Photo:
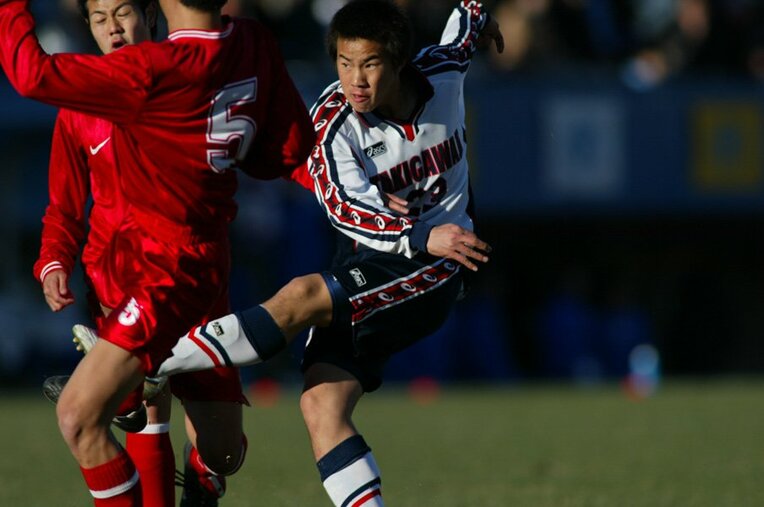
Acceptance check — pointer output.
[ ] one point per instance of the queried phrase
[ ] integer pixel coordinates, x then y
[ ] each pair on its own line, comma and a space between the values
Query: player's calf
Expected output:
239, 339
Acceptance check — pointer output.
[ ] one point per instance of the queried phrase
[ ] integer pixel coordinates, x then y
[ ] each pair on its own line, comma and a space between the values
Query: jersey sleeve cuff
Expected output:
49, 268
420, 234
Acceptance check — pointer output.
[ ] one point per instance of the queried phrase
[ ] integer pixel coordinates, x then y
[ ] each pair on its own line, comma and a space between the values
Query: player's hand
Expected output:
55, 287
397, 204
459, 244
490, 33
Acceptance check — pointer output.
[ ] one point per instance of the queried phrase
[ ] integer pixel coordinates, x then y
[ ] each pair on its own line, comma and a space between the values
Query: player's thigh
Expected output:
102, 379
329, 391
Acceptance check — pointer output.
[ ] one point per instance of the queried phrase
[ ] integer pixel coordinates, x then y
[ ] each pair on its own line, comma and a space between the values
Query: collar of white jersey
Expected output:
203, 34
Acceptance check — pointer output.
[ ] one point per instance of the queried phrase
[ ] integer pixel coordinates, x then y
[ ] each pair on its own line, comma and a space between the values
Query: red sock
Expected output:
155, 460
213, 483
115, 483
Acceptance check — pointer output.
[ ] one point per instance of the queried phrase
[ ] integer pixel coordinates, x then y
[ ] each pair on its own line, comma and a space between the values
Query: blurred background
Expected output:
618, 172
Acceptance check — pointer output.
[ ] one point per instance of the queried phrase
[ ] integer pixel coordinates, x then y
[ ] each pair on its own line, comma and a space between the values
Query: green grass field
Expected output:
693, 444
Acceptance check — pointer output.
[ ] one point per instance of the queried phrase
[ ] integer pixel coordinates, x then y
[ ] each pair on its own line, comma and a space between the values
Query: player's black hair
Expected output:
380, 21
204, 5
142, 5
83, 5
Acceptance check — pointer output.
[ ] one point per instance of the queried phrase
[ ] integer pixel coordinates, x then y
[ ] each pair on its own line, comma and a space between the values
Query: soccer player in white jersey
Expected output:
390, 170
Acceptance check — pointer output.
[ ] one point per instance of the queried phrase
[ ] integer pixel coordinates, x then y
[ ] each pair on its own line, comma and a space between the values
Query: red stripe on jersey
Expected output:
368, 496
400, 290
204, 348
409, 130
319, 165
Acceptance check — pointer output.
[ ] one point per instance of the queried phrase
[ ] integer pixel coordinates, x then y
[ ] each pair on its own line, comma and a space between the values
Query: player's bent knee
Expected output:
69, 423
318, 411
73, 421
308, 299
307, 288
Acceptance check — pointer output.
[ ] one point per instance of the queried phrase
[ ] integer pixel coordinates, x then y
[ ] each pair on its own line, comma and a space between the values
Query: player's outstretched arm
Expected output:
459, 244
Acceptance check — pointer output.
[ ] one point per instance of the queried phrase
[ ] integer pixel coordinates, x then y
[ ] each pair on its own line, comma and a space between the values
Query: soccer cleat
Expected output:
134, 422
200, 487
52, 387
152, 386
86, 338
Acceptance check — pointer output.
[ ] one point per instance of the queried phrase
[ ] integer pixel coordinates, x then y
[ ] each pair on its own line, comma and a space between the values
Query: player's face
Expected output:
368, 77
116, 23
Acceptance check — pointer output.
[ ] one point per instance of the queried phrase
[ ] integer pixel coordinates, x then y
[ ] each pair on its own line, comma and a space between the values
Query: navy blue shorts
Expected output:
382, 304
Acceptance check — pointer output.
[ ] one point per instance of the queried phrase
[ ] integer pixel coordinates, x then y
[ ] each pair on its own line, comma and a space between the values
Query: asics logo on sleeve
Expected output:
94, 151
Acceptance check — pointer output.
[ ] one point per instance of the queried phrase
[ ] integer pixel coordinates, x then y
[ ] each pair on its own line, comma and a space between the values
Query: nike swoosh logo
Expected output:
94, 151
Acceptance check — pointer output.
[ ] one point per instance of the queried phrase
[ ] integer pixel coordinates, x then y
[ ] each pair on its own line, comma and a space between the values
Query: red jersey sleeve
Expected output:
301, 176
111, 86
63, 227
284, 143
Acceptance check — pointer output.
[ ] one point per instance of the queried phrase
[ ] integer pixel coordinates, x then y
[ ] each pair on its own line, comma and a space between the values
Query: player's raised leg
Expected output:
256, 334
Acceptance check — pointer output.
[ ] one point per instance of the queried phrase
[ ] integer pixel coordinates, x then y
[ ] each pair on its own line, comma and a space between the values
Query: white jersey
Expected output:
360, 156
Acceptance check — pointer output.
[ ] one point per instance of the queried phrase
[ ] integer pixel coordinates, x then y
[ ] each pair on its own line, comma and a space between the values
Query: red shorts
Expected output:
165, 282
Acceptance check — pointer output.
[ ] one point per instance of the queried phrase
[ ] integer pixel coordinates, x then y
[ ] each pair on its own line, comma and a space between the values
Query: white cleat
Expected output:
86, 338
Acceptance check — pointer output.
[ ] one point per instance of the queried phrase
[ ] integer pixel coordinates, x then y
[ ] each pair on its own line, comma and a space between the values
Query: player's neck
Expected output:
405, 100
180, 17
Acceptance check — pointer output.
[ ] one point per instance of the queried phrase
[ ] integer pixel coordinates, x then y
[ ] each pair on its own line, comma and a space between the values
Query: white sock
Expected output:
220, 342
357, 484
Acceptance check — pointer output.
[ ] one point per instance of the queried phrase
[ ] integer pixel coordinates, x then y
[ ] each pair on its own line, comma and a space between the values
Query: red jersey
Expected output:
82, 163
185, 110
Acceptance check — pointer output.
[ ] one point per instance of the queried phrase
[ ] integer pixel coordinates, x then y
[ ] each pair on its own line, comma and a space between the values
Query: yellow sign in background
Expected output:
727, 153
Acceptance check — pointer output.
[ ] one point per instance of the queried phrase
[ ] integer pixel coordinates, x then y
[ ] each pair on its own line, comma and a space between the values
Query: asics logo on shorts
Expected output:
129, 316
358, 277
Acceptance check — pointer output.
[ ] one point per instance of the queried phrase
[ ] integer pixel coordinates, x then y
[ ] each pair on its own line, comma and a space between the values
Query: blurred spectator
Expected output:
709, 36
528, 35
592, 30
652, 39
